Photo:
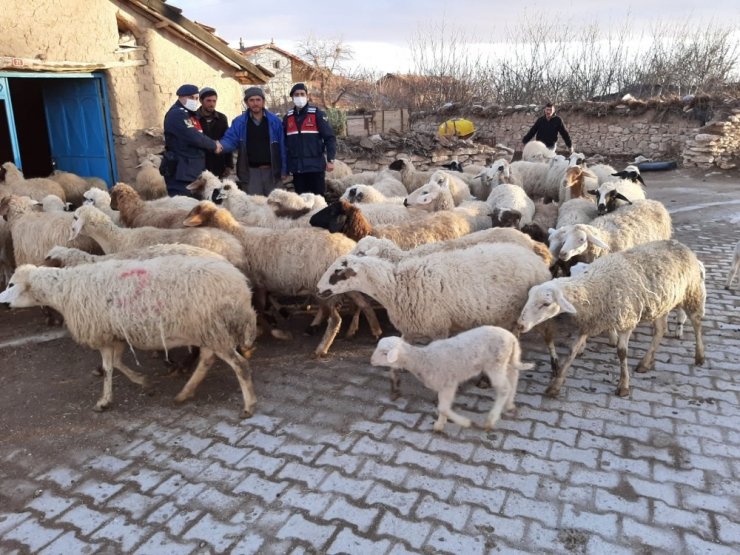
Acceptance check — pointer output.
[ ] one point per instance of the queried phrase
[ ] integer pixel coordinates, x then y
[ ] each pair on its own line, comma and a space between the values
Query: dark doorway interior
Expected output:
30, 125
6, 148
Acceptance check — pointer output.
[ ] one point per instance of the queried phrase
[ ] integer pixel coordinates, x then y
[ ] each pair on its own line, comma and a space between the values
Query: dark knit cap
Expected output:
298, 87
187, 90
205, 92
253, 91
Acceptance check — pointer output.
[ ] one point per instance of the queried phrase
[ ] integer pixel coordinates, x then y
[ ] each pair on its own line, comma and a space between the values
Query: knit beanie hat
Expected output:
205, 92
253, 91
298, 87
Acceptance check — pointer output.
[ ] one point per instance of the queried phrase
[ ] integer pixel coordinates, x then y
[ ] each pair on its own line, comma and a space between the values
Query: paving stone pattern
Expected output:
330, 465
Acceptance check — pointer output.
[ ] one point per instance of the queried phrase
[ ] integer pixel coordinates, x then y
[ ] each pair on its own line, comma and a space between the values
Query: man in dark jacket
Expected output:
258, 135
547, 128
214, 125
310, 143
185, 144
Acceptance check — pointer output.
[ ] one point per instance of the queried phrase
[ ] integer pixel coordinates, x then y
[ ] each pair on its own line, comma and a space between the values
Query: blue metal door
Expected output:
79, 127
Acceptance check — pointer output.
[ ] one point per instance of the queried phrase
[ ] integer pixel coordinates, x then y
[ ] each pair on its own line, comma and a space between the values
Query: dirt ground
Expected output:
48, 390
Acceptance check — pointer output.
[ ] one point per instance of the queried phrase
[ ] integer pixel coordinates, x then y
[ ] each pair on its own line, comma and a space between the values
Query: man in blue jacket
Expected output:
258, 136
310, 143
185, 144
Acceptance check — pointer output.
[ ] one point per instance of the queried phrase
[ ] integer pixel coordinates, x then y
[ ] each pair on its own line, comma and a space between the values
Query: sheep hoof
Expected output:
699, 360
623, 391
246, 414
97, 372
552, 391
464, 423
181, 398
438, 428
641, 368
281, 334
101, 406
246, 352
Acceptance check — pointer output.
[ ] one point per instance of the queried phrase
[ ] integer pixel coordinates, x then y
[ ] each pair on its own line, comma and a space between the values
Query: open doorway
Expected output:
31, 128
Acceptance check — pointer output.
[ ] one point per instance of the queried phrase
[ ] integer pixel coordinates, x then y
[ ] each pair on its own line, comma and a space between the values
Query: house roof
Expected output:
248, 50
201, 35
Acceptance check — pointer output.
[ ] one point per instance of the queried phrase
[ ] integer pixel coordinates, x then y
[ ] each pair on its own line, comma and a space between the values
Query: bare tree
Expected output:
330, 59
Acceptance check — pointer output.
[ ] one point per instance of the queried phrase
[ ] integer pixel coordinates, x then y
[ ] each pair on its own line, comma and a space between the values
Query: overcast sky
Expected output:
379, 31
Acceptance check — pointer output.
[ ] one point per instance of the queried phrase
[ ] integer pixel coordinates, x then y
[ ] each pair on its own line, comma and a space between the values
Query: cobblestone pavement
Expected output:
330, 465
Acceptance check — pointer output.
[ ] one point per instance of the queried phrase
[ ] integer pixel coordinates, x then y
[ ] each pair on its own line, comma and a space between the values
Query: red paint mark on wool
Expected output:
135, 272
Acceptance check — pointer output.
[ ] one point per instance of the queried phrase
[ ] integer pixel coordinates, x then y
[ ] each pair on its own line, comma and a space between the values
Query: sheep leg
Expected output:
680, 321
395, 384
503, 397
699, 351
732, 274
548, 334
369, 313
132, 375
321, 314
613, 338
557, 382
205, 362
623, 389
106, 353
354, 324
332, 329
444, 407
648, 361
240, 366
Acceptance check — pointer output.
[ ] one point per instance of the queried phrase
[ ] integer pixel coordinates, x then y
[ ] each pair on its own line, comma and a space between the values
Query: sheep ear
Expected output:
596, 241
372, 251
393, 354
620, 196
565, 304
639, 178
593, 192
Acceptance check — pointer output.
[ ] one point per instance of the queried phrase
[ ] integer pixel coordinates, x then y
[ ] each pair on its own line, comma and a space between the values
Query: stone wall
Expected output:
715, 144
651, 134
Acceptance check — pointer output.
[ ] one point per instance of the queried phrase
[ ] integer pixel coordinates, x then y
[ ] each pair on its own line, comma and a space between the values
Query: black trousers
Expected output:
310, 182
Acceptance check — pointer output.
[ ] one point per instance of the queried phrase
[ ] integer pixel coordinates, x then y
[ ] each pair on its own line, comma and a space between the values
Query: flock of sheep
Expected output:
462, 259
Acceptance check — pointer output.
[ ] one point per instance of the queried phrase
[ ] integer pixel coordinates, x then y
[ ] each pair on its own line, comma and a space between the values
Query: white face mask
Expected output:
300, 101
191, 104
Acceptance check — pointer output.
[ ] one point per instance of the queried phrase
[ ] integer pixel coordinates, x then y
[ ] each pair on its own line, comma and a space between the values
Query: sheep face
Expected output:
506, 218
606, 198
632, 173
97, 197
544, 301
354, 195
18, 294
386, 352
424, 196
398, 165
340, 277
77, 225
333, 217
576, 239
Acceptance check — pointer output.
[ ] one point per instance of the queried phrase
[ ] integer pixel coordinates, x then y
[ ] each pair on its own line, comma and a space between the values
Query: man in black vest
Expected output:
547, 128
214, 125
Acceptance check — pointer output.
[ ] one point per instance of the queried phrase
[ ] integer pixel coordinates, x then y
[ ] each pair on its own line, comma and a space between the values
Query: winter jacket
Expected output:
308, 136
547, 131
185, 145
236, 138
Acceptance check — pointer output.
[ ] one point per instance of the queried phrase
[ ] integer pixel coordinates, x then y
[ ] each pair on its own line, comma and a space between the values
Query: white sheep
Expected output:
576, 211
75, 186
528, 175
341, 169
118, 302
149, 182
286, 204
34, 233
368, 194
12, 182
101, 200
444, 364
410, 177
255, 211
206, 187
641, 222
436, 196
93, 223
437, 295
576, 183
603, 172
735, 267
62, 257
510, 206
456, 185
389, 183
617, 292
537, 151
611, 195
52, 203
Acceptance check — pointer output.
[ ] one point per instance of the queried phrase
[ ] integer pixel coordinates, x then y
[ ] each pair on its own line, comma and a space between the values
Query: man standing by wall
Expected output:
308, 138
214, 125
258, 135
185, 144
547, 128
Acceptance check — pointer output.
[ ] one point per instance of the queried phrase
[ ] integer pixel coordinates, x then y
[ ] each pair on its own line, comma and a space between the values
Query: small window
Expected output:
276, 64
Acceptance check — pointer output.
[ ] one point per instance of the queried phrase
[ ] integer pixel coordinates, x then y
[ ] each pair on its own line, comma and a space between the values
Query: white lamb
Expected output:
617, 292
613, 194
118, 302
436, 196
444, 364
458, 187
641, 222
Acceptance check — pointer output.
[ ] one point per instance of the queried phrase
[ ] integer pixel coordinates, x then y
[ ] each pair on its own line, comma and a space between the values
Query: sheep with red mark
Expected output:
118, 302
